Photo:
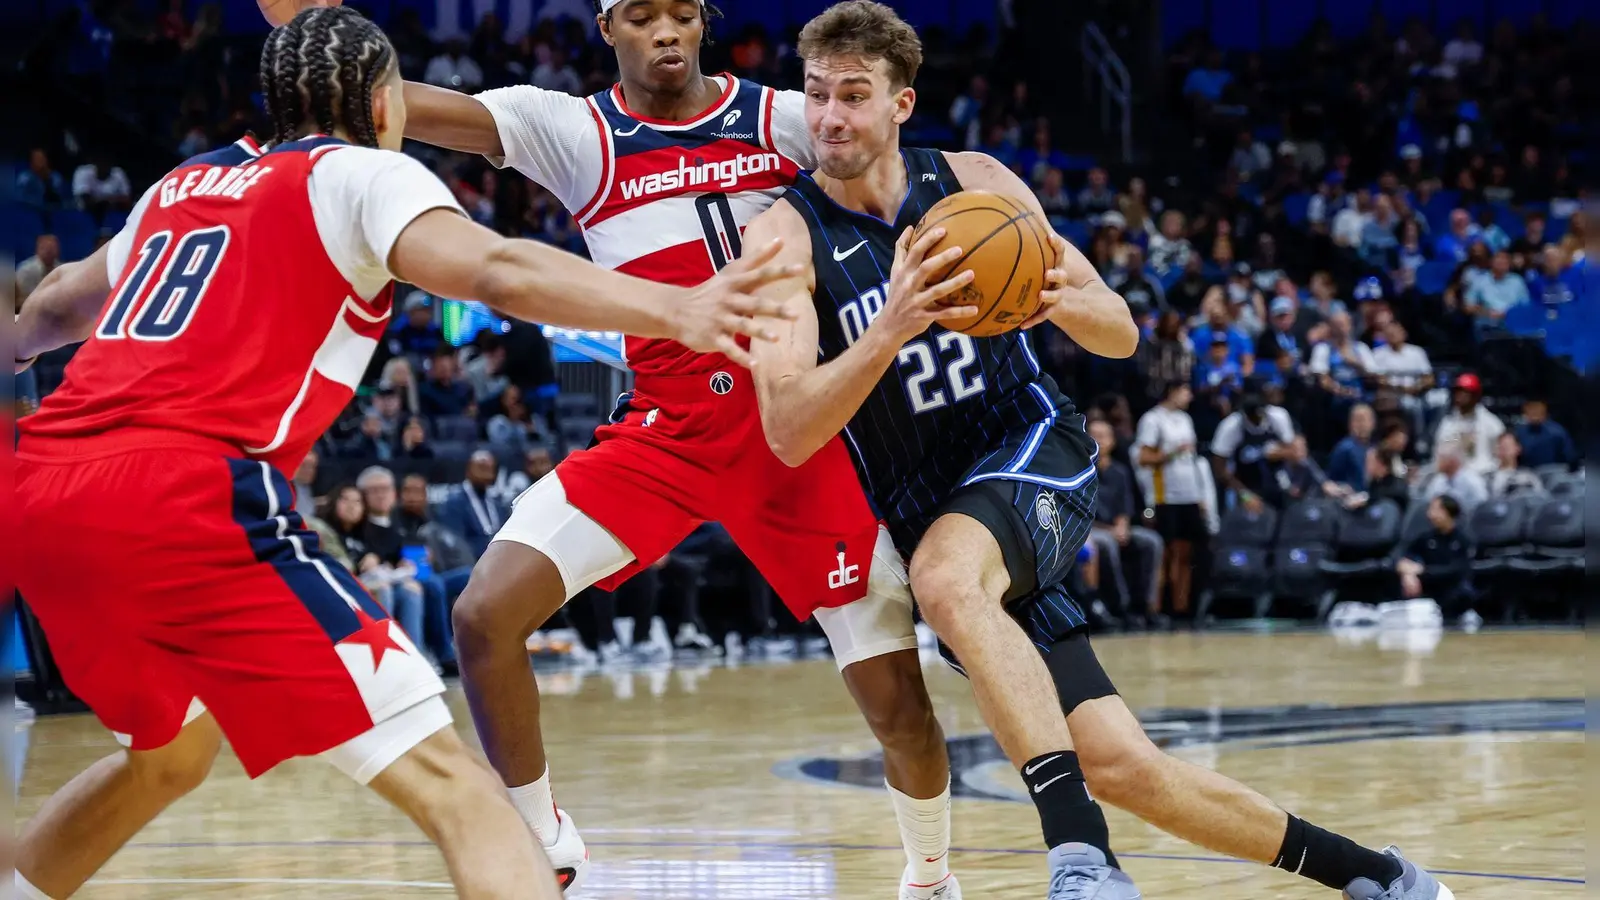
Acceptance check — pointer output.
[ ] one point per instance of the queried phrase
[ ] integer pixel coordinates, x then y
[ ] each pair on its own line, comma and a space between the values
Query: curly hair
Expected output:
320, 68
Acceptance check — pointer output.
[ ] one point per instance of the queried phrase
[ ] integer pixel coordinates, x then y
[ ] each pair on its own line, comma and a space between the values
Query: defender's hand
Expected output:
715, 314
279, 12
913, 304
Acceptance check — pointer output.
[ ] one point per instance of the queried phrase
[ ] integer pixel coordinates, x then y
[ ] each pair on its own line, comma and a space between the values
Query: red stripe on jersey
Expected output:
724, 166
606, 153
730, 85
766, 128
685, 265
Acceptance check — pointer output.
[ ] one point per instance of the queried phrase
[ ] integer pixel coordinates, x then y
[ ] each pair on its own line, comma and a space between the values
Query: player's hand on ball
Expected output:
726, 307
1057, 283
279, 12
914, 303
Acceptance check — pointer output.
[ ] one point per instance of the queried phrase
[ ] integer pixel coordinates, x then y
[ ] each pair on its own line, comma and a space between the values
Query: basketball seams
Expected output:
1011, 221
1038, 240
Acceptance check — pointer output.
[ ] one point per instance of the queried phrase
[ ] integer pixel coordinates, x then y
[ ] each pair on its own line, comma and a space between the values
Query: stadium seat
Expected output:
1570, 485
1364, 548
1527, 319
1552, 473
1241, 564
1555, 537
1305, 538
1434, 276
20, 228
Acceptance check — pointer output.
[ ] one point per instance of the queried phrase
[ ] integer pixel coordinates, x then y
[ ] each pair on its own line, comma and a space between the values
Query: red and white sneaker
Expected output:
946, 888
568, 855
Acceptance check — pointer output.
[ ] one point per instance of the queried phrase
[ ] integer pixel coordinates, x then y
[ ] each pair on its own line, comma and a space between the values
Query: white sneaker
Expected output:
946, 888
568, 856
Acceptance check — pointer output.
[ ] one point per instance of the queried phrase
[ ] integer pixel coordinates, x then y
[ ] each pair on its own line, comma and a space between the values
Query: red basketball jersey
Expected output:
229, 318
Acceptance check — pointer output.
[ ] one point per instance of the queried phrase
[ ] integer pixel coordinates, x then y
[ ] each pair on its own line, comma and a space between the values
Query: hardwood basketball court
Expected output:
759, 782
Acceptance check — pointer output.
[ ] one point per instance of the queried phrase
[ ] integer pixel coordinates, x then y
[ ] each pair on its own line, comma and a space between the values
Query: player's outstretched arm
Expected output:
804, 405
64, 308
1092, 314
448, 255
451, 119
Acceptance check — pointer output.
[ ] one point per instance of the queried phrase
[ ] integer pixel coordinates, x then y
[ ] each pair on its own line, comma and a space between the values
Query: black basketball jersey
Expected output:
943, 413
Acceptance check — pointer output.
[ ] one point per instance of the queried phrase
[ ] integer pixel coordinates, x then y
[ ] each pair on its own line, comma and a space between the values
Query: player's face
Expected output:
657, 41
854, 113
389, 110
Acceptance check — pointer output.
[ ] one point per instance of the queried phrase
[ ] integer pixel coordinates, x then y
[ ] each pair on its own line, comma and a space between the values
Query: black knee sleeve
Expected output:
1077, 673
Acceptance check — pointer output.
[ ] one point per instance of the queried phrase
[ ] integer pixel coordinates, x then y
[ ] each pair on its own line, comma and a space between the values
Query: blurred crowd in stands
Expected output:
1325, 276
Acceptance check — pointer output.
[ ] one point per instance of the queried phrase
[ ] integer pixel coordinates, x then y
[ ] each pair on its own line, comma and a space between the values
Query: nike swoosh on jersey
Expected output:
620, 133
842, 255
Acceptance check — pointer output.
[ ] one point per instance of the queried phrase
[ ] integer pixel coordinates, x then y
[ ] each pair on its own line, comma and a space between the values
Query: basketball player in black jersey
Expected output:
983, 470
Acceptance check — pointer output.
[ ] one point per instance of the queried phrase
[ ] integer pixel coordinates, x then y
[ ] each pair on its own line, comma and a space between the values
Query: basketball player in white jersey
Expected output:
663, 172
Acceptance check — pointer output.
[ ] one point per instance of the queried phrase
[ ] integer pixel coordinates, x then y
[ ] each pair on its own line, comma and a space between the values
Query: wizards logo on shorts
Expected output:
980, 770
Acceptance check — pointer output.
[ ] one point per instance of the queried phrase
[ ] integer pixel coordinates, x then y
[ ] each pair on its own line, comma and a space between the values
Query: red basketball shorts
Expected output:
166, 571
688, 449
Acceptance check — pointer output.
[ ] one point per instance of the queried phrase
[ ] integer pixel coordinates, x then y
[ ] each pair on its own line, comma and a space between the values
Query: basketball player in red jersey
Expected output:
663, 172
183, 597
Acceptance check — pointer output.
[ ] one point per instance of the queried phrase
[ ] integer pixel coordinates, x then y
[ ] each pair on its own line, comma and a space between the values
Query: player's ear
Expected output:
604, 23
905, 104
383, 97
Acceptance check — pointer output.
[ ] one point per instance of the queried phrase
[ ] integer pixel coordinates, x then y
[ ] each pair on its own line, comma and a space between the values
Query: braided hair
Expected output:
319, 69
707, 13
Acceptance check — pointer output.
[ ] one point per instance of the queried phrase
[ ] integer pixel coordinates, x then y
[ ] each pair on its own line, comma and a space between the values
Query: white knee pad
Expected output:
365, 756
880, 622
584, 552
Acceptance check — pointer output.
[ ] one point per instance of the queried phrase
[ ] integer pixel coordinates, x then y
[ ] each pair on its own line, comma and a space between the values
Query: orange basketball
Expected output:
1007, 247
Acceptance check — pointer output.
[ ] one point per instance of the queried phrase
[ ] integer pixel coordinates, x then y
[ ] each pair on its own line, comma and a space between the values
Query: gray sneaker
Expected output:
1413, 884
1079, 872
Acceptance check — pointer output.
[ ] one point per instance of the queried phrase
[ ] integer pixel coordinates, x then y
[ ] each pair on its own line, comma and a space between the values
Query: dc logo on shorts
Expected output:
721, 383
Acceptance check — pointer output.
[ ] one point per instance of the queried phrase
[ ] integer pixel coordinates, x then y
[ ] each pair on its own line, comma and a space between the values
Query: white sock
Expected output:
26, 890
924, 833
537, 807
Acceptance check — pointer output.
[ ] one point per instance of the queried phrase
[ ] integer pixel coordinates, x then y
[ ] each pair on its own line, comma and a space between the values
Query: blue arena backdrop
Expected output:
463, 320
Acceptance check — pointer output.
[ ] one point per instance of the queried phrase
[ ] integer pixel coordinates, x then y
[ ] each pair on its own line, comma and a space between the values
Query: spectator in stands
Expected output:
1470, 426
1438, 564
1488, 299
1205, 84
1138, 209
1248, 304
967, 112
100, 187
392, 588
1053, 195
1323, 305
1326, 204
1528, 248
369, 442
304, 481
1136, 286
46, 258
1543, 442
511, 426
1341, 364
1217, 379
486, 370
1464, 50
39, 186
1574, 244
1190, 290
1250, 157
556, 74
1402, 369
1347, 465
1167, 358
1219, 320
1041, 156
413, 441
1489, 231
1379, 237
443, 394
1279, 337
454, 69
473, 510
1410, 252
1455, 243
1454, 478
383, 536
391, 416
1136, 575
1175, 482
420, 336
398, 376
1169, 247
1509, 479
1548, 281
1351, 222
1383, 483
1097, 198
1303, 478
536, 463
1248, 450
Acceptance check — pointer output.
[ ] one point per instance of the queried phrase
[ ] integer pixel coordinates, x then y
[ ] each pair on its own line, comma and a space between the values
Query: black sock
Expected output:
1332, 860
1067, 812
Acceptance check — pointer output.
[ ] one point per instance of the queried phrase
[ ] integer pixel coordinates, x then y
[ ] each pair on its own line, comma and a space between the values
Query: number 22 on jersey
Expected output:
164, 311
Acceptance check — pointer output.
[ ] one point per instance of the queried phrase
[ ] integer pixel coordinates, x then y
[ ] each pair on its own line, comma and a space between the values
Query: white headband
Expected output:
608, 5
